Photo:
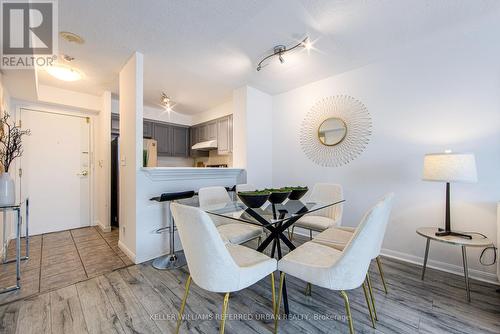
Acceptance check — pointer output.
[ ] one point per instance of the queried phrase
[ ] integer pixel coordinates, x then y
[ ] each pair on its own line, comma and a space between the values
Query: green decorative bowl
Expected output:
278, 195
254, 199
297, 192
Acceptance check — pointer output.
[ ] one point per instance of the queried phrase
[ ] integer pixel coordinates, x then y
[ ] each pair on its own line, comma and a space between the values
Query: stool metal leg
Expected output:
18, 249
171, 260
26, 237
466, 272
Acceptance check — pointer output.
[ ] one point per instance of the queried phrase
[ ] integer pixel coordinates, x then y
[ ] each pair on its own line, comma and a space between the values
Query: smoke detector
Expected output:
71, 37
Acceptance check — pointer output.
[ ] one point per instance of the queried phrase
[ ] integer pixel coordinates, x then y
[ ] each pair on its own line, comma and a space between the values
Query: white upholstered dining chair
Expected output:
325, 218
339, 236
230, 230
245, 187
338, 270
214, 265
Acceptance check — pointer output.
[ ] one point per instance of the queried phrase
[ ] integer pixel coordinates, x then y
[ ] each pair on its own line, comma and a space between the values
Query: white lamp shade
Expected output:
450, 167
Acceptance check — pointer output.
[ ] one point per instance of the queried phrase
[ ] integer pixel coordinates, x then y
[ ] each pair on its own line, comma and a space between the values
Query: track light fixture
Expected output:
166, 101
280, 50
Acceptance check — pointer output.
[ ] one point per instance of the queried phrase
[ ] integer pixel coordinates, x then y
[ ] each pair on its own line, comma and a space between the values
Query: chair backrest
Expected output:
328, 192
210, 263
366, 241
245, 187
214, 196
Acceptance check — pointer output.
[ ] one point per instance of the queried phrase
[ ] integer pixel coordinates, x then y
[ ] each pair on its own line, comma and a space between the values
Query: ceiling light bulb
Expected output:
64, 73
448, 151
307, 44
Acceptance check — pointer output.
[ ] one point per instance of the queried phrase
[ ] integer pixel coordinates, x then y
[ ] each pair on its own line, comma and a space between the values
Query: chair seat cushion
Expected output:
238, 233
315, 223
253, 265
336, 237
311, 262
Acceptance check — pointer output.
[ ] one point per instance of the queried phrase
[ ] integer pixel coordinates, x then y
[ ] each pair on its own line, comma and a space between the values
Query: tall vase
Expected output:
7, 190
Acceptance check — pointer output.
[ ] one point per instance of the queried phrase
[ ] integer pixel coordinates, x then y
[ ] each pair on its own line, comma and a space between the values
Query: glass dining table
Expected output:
275, 218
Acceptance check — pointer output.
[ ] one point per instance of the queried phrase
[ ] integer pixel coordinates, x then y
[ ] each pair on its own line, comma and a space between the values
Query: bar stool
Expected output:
171, 260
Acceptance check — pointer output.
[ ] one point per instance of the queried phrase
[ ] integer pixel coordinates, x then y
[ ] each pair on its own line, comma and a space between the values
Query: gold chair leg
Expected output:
224, 312
368, 280
368, 304
348, 311
278, 304
308, 291
273, 293
379, 264
183, 305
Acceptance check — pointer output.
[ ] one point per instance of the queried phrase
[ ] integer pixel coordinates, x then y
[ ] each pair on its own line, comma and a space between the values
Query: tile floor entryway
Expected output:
62, 258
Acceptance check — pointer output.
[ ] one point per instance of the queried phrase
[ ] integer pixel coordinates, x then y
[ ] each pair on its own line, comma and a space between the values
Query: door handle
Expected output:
83, 173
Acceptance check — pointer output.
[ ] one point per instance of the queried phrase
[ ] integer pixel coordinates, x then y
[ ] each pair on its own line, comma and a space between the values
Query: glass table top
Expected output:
282, 212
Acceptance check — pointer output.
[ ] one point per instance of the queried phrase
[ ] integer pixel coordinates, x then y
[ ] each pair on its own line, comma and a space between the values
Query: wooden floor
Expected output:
141, 299
61, 259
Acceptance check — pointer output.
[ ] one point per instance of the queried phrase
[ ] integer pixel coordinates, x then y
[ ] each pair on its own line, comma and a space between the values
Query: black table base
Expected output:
276, 236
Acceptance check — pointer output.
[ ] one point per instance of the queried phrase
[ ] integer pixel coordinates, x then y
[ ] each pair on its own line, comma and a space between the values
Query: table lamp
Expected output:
450, 167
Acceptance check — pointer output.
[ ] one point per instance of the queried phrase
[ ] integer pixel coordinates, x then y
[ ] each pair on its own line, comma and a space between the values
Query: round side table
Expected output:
477, 241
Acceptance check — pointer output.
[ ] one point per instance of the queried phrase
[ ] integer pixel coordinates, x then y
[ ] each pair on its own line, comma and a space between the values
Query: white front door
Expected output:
55, 170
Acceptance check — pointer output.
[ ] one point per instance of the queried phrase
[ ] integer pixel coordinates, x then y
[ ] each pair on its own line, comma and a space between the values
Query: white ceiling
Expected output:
199, 51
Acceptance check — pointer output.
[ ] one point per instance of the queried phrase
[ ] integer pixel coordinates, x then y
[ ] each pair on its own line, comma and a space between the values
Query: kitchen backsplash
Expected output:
215, 159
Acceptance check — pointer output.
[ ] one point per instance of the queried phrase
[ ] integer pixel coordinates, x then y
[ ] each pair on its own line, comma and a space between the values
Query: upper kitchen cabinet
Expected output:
180, 141
147, 129
224, 135
162, 133
211, 131
220, 129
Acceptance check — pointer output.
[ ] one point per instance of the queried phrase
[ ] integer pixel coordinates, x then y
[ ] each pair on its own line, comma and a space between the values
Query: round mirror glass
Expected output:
332, 131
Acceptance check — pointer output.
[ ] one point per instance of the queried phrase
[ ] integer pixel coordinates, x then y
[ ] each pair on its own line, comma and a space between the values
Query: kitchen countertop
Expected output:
188, 173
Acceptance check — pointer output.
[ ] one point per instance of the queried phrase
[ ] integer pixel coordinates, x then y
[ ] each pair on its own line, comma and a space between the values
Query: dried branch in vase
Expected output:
10, 141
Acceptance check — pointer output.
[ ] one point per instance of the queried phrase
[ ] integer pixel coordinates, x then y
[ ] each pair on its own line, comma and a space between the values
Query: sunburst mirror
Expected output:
335, 131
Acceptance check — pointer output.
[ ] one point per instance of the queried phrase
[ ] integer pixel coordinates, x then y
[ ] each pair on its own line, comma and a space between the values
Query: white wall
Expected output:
158, 114
69, 98
219, 111
252, 134
130, 161
102, 196
436, 94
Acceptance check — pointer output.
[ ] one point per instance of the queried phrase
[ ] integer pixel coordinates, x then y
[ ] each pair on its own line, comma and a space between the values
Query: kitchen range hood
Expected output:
205, 145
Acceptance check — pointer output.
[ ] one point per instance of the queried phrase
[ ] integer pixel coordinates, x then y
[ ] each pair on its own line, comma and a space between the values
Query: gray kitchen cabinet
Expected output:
223, 135
195, 139
211, 130
202, 133
180, 141
163, 135
230, 133
147, 129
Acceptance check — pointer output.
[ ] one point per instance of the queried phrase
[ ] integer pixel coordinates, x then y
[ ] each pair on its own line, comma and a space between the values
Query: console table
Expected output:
17, 211
477, 241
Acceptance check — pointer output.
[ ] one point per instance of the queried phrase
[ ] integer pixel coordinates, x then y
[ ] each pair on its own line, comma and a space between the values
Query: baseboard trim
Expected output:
442, 266
103, 227
128, 252
438, 265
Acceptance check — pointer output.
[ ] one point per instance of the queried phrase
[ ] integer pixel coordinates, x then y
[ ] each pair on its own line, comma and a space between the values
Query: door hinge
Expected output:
20, 124
20, 172
87, 119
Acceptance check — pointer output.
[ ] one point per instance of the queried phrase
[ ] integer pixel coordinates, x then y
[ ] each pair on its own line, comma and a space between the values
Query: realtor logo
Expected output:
29, 33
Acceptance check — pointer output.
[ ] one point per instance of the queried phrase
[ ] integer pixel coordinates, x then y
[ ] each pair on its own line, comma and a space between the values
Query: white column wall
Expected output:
131, 113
